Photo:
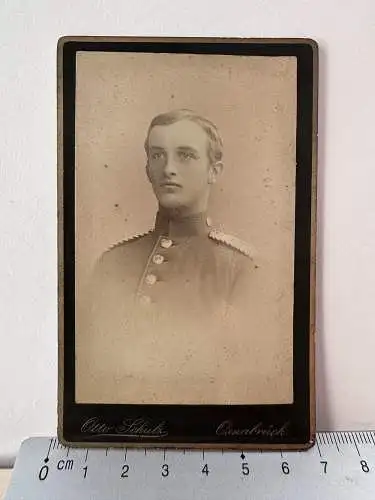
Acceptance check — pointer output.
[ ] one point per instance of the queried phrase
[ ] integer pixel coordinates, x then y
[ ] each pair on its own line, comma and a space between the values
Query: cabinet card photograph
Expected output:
186, 241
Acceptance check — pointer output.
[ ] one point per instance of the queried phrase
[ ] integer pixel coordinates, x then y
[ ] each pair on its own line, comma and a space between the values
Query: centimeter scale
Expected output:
341, 465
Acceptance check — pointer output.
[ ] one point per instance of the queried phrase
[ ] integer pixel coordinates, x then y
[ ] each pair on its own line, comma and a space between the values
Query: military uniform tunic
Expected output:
160, 319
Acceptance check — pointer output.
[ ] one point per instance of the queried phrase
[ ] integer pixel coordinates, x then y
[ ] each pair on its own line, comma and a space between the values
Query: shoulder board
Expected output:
129, 240
232, 242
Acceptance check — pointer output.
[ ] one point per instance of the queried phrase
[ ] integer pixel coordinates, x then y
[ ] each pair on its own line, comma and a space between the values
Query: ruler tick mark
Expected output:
203, 454
145, 451
317, 445
126, 451
337, 446
67, 451
49, 449
86, 455
357, 448
164, 454
372, 437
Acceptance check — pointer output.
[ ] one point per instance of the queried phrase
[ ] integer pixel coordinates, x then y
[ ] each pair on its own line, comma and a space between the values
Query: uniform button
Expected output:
150, 279
157, 259
145, 299
165, 243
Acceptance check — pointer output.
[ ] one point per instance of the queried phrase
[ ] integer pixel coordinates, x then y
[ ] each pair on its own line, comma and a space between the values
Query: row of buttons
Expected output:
158, 259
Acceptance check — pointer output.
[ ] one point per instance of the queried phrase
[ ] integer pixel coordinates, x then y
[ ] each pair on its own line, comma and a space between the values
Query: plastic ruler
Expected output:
341, 465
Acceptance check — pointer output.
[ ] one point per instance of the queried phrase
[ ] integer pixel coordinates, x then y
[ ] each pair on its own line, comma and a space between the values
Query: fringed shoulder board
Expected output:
231, 242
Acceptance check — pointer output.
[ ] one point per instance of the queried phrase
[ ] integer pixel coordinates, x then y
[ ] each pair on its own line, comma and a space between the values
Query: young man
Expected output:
155, 312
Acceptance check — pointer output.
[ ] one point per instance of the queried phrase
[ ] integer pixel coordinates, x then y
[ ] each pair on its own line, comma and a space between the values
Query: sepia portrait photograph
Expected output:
184, 228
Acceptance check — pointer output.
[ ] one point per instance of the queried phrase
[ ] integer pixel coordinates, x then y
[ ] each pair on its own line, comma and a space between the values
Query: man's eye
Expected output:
186, 155
156, 155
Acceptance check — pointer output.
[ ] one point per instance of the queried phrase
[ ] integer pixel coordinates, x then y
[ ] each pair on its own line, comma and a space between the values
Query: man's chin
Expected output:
170, 202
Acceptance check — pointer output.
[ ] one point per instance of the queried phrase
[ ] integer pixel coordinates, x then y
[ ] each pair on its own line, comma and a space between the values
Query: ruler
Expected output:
340, 466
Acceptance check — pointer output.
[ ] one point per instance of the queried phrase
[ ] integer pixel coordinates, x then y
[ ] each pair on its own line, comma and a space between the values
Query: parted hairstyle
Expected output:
215, 142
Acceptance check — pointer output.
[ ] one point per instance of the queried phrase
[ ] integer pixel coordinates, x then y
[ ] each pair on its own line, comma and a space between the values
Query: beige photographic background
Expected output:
252, 100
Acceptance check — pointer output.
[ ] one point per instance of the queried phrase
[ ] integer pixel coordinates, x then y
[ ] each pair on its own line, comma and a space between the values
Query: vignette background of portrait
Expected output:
252, 100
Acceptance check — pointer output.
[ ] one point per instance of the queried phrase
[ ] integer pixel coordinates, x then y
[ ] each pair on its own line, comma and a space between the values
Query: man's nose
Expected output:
170, 167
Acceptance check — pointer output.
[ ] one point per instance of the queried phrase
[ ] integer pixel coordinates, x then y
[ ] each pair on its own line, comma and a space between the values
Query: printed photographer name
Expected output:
139, 427
227, 428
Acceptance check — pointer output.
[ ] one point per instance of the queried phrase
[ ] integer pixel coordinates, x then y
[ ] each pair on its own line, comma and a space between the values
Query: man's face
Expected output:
178, 165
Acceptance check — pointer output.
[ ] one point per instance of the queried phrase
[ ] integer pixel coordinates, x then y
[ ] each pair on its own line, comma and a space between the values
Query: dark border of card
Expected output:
249, 427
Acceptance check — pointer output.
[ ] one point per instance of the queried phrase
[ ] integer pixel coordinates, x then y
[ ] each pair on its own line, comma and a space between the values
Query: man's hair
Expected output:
215, 143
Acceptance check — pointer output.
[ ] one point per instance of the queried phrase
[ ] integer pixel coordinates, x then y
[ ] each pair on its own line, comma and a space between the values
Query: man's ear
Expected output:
214, 172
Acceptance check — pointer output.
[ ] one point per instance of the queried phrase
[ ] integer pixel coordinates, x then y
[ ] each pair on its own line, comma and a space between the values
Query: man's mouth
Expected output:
170, 184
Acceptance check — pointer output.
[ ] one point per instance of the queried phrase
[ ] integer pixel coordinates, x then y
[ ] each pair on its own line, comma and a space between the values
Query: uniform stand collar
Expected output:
178, 227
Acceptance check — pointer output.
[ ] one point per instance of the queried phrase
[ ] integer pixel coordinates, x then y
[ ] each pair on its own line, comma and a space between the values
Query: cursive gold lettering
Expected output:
95, 426
138, 427
226, 428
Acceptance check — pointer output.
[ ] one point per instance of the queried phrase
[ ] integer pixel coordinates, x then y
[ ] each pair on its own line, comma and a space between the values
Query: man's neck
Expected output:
176, 224
182, 212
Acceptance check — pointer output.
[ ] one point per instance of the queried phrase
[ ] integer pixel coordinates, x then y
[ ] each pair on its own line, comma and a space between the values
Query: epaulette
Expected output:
128, 240
232, 242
